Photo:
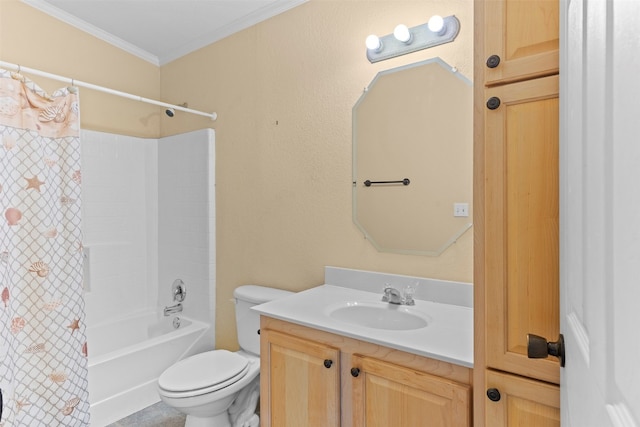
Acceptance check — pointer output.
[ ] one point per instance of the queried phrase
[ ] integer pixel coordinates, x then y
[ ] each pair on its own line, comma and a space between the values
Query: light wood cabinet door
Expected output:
525, 37
521, 225
384, 394
521, 402
300, 382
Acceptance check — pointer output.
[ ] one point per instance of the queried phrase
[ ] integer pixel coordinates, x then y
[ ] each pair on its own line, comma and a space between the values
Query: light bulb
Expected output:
373, 42
401, 33
436, 24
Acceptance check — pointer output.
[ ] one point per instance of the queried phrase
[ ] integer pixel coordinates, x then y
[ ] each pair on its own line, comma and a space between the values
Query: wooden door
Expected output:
520, 402
521, 224
600, 206
300, 382
524, 36
384, 394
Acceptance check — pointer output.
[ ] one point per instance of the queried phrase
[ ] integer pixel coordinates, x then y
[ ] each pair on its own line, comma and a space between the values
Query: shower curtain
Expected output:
43, 351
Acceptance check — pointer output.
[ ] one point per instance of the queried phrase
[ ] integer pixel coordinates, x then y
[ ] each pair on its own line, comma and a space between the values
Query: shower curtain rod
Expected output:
73, 82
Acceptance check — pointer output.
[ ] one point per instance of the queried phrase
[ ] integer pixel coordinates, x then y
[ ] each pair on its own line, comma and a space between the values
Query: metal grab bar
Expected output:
405, 181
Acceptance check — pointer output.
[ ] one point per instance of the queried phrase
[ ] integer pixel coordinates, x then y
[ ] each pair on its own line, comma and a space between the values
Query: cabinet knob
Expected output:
493, 394
539, 348
493, 103
328, 363
355, 372
493, 61
258, 331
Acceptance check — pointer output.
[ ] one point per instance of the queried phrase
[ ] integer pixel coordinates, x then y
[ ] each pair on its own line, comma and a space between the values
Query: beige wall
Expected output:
33, 39
283, 90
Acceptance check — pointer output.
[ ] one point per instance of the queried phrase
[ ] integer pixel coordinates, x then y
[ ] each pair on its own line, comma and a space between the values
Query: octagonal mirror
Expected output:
413, 158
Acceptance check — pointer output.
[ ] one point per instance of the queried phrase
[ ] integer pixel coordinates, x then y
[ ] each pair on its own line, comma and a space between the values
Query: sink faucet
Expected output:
392, 296
177, 308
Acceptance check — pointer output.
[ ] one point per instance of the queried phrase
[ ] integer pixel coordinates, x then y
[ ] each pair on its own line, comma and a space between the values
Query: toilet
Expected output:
220, 388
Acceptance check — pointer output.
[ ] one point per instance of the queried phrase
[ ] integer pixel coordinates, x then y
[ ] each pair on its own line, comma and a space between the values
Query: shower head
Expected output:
171, 112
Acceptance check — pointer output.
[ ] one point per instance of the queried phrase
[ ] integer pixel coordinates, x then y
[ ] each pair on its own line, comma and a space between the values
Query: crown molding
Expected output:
105, 36
264, 13
238, 25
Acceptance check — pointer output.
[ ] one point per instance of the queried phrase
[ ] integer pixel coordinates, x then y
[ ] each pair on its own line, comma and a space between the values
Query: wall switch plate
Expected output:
461, 209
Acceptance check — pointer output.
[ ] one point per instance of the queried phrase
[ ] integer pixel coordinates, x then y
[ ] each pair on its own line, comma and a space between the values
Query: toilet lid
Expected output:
205, 370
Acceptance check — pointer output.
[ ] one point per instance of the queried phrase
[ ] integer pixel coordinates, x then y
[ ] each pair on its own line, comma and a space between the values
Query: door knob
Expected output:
539, 348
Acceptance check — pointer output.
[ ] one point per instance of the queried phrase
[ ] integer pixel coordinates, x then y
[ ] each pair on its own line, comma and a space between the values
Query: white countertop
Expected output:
447, 337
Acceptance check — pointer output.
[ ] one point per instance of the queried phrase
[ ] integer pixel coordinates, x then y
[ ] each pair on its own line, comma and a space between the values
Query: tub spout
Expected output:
177, 308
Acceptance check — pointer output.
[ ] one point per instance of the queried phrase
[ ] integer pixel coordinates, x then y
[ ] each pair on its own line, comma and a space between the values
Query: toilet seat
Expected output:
203, 373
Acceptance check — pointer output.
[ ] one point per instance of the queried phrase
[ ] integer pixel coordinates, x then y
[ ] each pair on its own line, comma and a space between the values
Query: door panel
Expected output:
298, 373
600, 207
385, 395
522, 294
522, 402
524, 34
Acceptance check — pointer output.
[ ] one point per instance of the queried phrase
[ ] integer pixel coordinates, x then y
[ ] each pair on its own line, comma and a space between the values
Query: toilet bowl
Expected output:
204, 394
206, 385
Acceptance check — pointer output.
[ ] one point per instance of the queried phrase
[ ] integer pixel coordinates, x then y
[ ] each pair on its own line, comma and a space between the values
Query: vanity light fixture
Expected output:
402, 34
373, 43
405, 40
436, 25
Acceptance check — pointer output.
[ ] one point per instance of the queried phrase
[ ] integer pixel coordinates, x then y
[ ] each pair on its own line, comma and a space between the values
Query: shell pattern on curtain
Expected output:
43, 350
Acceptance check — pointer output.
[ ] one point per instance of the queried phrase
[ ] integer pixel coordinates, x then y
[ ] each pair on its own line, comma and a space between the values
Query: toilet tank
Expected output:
247, 320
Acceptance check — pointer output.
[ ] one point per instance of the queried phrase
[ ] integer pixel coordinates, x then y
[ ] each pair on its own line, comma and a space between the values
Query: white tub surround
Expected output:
187, 223
446, 306
149, 219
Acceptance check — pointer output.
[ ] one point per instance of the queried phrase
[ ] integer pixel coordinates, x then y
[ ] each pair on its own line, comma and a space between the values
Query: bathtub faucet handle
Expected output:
179, 290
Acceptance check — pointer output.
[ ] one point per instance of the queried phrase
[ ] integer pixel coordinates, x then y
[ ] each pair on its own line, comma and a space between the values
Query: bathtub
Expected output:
126, 357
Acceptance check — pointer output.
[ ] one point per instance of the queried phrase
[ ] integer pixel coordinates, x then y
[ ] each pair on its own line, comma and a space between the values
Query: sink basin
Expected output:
379, 316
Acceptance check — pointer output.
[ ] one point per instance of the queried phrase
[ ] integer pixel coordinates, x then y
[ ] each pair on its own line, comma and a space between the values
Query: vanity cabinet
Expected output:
385, 394
521, 39
363, 385
304, 381
516, 205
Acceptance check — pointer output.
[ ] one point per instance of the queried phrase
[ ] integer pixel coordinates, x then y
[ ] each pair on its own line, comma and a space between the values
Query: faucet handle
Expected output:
407, 294
387, 292
179, 290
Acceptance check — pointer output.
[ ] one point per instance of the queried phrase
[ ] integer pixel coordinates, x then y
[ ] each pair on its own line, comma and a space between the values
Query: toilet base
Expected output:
220, 420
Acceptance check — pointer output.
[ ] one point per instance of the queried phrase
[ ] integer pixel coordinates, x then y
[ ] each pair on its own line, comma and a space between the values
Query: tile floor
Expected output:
158, 415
